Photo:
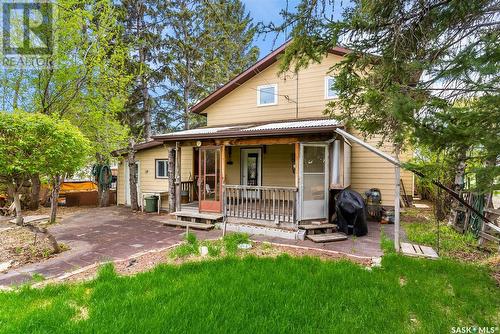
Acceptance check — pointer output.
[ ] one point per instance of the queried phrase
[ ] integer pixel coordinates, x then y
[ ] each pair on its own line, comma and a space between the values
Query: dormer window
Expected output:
267, 95
330, 92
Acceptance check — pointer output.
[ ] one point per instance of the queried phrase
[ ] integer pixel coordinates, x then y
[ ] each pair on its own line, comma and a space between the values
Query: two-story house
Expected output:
268, 154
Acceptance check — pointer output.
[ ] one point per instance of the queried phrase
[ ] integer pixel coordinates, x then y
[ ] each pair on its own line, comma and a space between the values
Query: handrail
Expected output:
269, 203
238, 186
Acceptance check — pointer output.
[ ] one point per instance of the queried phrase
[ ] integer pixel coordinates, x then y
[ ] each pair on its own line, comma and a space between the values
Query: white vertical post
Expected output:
178, 172
397, 180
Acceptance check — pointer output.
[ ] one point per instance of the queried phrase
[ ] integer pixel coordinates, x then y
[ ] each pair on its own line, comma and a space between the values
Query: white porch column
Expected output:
178, 172
397, 184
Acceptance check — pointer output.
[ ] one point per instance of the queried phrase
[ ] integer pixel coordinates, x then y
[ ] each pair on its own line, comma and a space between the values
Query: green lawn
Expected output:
264, 295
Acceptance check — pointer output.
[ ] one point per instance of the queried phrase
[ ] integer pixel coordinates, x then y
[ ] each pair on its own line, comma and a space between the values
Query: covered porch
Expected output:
274, 174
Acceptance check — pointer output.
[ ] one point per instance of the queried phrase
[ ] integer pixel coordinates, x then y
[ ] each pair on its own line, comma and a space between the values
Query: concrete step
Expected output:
327, 237
196, 226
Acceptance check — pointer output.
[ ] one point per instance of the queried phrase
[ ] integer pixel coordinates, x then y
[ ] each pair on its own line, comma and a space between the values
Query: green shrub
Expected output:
191, 238
182, 251
214, 249
231, 241
106, 272
191, 247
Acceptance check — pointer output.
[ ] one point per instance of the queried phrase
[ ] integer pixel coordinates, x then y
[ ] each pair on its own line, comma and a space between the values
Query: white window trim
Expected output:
327, 97
275, 86
156, 169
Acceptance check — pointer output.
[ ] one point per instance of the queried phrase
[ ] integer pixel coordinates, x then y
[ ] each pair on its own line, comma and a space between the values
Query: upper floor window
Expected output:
161, 168
330, 92
267, 95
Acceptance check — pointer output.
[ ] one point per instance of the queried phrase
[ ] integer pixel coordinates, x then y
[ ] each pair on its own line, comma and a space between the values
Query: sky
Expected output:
267, 11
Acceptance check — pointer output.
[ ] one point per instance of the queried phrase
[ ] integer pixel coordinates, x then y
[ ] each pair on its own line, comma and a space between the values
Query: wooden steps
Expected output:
193, 225
327, 237
198, 215
418, 250
308, 227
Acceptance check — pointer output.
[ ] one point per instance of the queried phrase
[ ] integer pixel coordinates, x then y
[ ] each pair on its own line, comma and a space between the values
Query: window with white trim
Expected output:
267, 95
161, 168
330, 92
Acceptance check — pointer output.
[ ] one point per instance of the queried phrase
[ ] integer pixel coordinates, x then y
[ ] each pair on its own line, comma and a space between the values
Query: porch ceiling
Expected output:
298, 127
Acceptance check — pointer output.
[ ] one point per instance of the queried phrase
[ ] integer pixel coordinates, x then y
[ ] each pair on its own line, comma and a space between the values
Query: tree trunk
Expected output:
460, 170
56, 187
14, 192
171, 179
103, 196
46, 234
102, 188
35, 192
132, 176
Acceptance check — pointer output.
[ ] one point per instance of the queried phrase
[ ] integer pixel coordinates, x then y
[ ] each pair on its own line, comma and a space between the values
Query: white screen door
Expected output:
314, 181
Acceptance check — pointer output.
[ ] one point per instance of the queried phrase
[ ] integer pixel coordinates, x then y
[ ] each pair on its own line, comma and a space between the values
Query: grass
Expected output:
450, 241
421, 228
263, 295
227, 246
386, 243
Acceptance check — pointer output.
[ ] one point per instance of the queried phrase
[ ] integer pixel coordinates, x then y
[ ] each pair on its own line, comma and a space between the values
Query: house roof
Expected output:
249, 73
138, 147
256, 129
275, 128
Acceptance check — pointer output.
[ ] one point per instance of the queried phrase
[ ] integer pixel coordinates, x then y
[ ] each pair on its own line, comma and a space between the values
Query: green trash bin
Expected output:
151, 204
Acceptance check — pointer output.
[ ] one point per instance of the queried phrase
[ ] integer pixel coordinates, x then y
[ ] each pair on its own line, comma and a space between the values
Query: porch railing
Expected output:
189, 187
261, 202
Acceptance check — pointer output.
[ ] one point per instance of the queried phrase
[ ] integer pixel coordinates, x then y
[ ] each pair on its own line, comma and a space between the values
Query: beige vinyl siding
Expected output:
240, 106
276, 166
120, 183
147, 174
371, 171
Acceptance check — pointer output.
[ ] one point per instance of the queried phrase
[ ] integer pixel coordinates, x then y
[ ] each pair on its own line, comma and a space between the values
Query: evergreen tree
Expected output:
141, 33
204, 43
420, 72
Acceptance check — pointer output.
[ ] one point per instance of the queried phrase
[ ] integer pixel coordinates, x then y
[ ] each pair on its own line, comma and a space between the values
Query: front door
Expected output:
251, 167
210, 186
314, 181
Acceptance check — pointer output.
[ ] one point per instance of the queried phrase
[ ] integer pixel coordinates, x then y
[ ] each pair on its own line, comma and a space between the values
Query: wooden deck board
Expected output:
198, 226
326, 237
193, 214
316, 226
418, 250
